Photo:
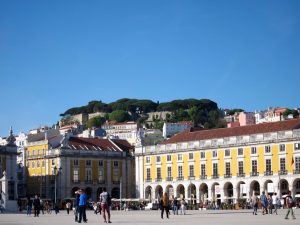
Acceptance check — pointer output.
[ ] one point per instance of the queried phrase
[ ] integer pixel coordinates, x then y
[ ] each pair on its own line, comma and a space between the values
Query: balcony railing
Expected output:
227, 175
215, 176
191, 177
148, 180
283, 172
296, 171
254, 174
76, 181
179, 178
268, 173
169, 178
116, 182
240, 175
203, 176
158, 179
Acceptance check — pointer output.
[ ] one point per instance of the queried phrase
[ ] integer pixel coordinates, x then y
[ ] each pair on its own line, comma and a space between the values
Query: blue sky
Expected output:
59, 54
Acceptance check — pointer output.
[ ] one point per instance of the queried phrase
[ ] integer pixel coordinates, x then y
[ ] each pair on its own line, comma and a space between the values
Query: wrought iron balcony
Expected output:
191, 177
283, 172
254, 174
179, 178
158, 179
148, 180
215, 176
296, 171
240, 175
268, 173
227, 175
76, 181
169, 178
203, 176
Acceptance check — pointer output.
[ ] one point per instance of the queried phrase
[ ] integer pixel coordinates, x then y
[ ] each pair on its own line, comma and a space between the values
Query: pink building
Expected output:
246, 118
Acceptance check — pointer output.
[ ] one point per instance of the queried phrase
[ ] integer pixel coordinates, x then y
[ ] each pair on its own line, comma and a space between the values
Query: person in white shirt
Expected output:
275, 201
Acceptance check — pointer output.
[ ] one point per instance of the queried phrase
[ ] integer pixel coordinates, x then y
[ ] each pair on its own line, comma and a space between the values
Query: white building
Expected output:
170, 129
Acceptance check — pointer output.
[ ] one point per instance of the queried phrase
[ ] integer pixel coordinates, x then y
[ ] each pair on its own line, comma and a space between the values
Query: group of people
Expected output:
175, 204
268, 203
81, 202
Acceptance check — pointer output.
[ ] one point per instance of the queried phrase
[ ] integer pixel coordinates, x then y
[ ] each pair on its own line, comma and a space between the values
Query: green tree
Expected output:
293, 112
119, 116
96, 121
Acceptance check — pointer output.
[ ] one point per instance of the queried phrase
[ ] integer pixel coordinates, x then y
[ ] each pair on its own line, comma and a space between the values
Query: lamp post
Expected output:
56, 173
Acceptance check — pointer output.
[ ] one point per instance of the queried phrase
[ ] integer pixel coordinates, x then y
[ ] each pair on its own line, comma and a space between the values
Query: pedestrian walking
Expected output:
82, 206
105, 201
290, 203
165, 205
182, 206
254, 201
76, 207
68, 206
264, 203
175, 206
28, 206
36, 205
275, 202
270, 204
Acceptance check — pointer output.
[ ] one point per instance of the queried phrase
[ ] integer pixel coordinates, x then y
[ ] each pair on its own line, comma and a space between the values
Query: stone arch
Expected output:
192, 193
296, 186
180, 191
203, 190
170, 191
216, 193
228, 190
283, 187
241, 189
148, 193
88, 192
254, 188
73, 195
158, 192
271, 189
115, 192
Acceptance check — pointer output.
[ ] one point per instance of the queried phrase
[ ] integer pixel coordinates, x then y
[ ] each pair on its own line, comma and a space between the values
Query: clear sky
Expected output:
55, 55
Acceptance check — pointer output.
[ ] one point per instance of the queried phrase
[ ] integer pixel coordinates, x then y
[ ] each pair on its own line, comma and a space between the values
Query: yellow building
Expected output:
57, 169
222, 164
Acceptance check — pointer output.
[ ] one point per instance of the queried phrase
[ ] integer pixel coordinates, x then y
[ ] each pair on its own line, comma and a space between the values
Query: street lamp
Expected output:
56, 172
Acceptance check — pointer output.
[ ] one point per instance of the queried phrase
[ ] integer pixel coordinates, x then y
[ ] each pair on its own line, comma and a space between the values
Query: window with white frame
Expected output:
282, 147
158, 159
76, 163
191, 155
169, 158
227, 152
116, 164
180, 171
267, 149
202, 155
297, 163
179, 157
101, 174
100, 163
76, 175
253, 150
282, 164
32, 165
241, 167
88, 163
38, 164
191, 170
215, 169
268, 165
297, 146
240, 151
158, 173
203, 170
169, 171
88, 174
148, 159
215, 153
227, 168
254, 166
148, 174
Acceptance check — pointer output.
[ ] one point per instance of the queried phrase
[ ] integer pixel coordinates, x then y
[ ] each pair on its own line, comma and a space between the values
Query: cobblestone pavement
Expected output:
225, 217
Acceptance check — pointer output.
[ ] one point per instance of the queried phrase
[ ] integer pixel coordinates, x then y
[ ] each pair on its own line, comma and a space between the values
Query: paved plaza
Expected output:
210, 217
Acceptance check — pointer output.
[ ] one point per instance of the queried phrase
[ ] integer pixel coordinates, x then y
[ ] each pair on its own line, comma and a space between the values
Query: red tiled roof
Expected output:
97, 144
194, 134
